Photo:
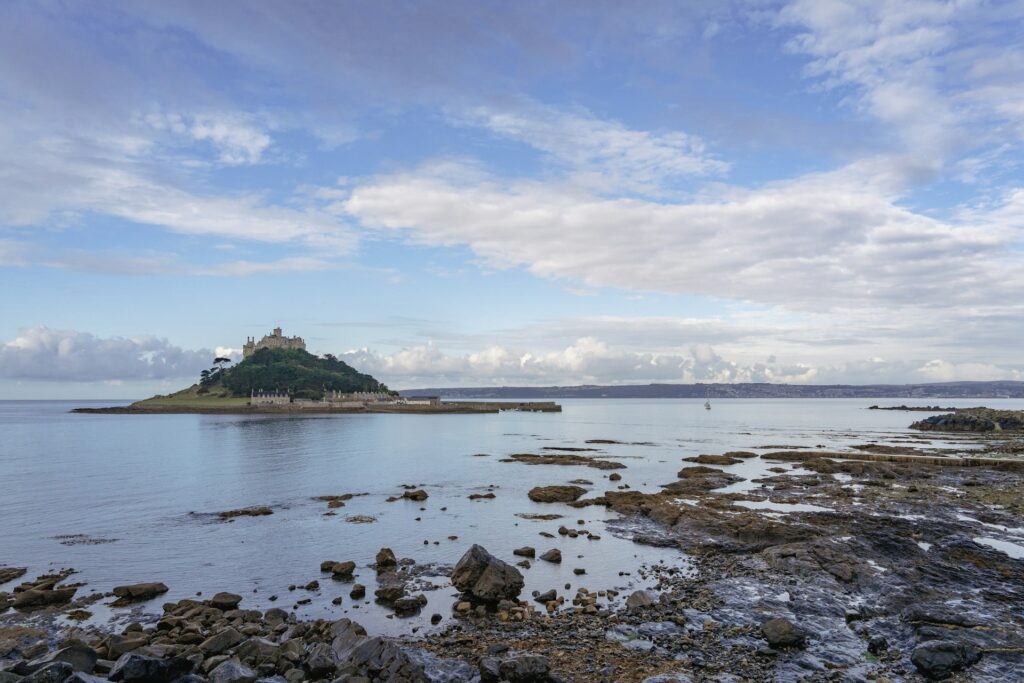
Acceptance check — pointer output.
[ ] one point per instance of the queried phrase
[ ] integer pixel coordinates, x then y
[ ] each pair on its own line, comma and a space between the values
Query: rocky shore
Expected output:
974, 420
829, 567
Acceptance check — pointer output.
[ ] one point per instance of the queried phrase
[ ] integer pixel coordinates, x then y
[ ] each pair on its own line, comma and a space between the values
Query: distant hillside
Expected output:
750, 390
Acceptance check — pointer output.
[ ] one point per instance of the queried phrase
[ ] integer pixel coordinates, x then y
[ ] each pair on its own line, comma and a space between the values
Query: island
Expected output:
278, 375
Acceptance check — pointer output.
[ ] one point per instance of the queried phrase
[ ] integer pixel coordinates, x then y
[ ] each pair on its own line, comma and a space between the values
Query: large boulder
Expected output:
556, 494
939, 659
486, 578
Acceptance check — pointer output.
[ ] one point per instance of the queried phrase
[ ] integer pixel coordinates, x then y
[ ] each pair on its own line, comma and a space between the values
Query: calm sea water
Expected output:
135, 480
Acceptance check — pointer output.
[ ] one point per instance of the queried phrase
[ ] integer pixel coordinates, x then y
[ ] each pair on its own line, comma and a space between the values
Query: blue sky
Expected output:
477, 193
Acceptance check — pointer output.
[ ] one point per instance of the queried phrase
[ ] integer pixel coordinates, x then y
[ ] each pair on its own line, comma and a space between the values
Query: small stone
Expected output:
782, 633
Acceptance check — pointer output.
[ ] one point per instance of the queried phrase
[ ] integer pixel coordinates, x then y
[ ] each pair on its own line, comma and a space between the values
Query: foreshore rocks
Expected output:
569, 459
257, 511
974, 420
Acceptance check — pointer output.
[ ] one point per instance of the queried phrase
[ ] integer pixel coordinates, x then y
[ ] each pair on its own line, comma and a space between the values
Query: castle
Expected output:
272, 341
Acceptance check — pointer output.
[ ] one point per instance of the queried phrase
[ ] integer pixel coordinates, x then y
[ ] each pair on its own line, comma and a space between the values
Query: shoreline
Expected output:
453, 407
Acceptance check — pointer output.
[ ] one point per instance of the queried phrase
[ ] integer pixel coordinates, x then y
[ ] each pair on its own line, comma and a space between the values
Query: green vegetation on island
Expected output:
293, 371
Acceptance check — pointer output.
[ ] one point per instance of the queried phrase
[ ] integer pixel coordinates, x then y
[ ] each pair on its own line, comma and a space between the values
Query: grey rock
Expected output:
485, 577
638, 600
80, 657
232, 671
54, 672
79, 677
782, 633
136, 668
222, 641
319, 660
939, 659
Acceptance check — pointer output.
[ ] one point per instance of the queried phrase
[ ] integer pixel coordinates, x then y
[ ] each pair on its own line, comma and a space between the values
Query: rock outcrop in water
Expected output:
974, 420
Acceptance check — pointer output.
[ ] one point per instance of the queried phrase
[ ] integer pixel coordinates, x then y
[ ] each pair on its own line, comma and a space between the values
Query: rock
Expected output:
79, 677
139, 591
119, 645
319, 660
939, 659
41, 597
358, 592
54, 672
11, 573
639, 600
481, 496
256, 651
713, 460
225, 601
485, 577
275, 615
435, 619
419, 495
524, 668
232, 671
386, 558
579, 571
259, 511
342, 570
547, 596
782, 633
136, 668
553, 555
390, 591
556, 494
409, 604
525, 551
80, 657
614, 476
220, 642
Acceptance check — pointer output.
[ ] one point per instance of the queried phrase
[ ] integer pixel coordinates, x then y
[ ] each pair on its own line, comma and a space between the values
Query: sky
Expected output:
487, 193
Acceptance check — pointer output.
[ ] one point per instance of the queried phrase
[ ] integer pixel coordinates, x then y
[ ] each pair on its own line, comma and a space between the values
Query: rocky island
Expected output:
278, 375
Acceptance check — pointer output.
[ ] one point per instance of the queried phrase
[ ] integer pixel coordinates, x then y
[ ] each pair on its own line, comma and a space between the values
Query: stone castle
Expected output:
275, 340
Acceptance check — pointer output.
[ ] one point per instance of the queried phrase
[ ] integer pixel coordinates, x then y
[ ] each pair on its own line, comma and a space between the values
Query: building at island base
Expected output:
269, 398
274, 340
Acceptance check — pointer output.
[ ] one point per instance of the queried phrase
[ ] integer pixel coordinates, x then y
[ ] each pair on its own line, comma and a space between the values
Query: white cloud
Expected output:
944, 371
600, 153
237, 137
42, 353
810, 244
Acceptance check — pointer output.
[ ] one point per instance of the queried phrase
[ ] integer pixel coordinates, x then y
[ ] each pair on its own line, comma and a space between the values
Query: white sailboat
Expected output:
707, 400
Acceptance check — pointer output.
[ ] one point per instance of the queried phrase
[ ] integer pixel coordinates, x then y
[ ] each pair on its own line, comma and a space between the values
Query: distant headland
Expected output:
947, 390
278, 375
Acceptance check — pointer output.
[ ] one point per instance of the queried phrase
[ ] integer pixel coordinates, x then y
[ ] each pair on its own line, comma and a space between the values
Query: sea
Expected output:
134, 498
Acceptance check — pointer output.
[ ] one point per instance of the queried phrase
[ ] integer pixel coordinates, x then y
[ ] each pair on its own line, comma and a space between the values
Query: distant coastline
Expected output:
939, 390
